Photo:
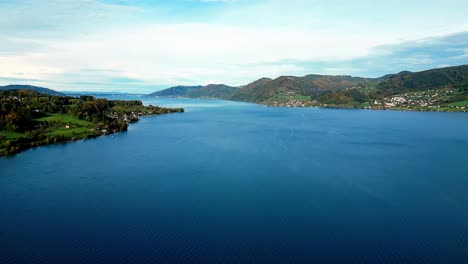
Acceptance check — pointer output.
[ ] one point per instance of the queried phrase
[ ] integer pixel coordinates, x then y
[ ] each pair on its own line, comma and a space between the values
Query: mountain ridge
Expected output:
174, 91
210, 91
30, 88
309, 85
215, 91
447, 87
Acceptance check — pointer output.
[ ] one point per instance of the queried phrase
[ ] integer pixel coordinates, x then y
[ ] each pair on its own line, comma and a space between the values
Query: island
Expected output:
30, 119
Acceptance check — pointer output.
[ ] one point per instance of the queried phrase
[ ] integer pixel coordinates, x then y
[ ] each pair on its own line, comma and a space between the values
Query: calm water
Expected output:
238, 183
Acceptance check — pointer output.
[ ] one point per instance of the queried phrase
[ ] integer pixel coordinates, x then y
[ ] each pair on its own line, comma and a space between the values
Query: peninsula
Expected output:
29, 119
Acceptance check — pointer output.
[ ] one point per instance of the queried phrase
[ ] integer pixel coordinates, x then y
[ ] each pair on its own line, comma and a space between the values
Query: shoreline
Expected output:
369, 109
313, 106
74, 139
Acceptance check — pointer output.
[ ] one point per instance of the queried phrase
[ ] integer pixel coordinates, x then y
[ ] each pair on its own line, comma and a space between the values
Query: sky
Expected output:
141, 46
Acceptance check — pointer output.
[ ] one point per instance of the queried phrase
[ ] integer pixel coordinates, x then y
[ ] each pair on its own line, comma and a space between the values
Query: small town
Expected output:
430, 100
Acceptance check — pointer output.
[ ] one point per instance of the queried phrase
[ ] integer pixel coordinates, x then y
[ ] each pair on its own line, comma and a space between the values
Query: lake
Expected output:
230, 182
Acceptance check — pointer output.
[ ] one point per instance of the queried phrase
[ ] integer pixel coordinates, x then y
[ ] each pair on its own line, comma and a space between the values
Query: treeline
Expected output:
346, 97
19, 108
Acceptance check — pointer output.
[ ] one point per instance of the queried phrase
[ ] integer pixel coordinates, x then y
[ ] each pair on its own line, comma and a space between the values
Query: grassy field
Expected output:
56, 127
76, 127
462, 103
8, 135
70, 132
59, 122
65, 119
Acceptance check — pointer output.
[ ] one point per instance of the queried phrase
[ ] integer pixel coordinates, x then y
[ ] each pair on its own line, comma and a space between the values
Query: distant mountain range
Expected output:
263, 89
444, 87
311, 85
211, 91
31, 88
217, 91
177, 91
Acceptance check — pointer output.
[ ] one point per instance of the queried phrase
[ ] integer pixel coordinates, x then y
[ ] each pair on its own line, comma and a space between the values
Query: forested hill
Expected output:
443, 78
30, 88
265, 89
444, 89
211, 91
29, 119
252, 92
176, 91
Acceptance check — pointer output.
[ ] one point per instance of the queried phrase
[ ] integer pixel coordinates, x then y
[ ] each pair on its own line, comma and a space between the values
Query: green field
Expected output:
70, 132
76, 127
9, 135
462, 103
56, 127
65, 119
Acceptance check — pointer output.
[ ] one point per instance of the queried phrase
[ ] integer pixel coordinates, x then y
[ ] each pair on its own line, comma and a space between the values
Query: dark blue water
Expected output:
239, 183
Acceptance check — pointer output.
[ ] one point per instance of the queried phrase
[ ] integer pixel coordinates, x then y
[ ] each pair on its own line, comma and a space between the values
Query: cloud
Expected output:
55, 18
22, 80
139, 45
417, 55
14, 45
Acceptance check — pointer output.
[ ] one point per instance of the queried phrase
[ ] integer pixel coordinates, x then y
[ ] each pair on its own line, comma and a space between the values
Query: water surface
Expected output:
236, 183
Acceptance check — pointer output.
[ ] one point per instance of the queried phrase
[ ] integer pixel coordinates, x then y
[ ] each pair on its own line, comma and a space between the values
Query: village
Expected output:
290, 103
430, 100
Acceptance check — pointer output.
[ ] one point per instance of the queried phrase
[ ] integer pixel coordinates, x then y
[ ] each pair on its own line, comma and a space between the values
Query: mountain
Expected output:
212, 91
250, 91
444, 88
217, 91
450, 77
177, 91
266, 89
31, 88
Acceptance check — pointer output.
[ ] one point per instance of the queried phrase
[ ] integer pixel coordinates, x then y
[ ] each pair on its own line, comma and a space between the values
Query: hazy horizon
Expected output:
160, 88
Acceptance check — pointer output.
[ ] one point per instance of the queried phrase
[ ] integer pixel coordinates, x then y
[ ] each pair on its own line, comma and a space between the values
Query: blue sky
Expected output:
140, 45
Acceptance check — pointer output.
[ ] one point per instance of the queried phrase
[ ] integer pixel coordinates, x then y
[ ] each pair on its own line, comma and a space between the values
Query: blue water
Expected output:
240, 183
